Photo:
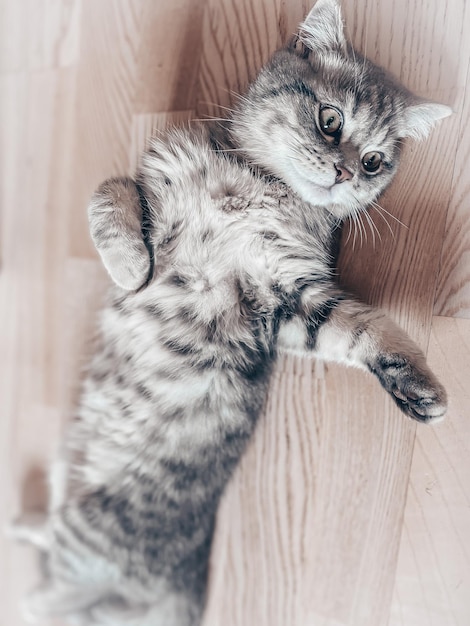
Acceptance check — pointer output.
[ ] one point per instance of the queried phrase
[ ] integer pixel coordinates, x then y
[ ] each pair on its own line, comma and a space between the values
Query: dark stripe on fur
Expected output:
318, 317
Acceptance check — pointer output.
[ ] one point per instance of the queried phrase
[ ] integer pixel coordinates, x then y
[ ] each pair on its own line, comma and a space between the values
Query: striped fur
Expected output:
222, 256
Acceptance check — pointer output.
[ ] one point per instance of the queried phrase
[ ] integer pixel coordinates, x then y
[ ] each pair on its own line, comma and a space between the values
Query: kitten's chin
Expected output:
313, 193
335, 199
322, 192
318, 192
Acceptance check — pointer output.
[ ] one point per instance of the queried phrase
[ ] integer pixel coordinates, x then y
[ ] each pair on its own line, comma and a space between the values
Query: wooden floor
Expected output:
342, 513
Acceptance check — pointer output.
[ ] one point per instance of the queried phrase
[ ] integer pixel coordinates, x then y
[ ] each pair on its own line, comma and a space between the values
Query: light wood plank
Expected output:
453, 288
433, 575
424, 44
39, 34
309, 530
420, 49
106, 86
359, 575
32, 285
169, 49
238, 38
35, 191
146, 125
307, 533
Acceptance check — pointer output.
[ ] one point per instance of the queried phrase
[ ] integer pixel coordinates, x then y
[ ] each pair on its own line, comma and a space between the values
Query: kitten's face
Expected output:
327, 121
329, 137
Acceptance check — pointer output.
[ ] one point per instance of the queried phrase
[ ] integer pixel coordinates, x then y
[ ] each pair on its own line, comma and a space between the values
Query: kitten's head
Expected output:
327, 121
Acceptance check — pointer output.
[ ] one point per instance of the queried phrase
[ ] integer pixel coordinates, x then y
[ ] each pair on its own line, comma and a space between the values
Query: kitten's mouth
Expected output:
327, 196
323, 189
313, 191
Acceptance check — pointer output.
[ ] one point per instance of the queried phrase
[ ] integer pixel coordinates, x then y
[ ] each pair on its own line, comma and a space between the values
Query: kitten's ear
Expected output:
322, 30
420, 117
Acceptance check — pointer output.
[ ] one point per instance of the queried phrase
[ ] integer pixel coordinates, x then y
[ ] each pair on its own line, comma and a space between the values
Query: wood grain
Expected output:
453, 288
406, 261
106, 85
39, 34
424, 44
168, 65
309, 530
311, 510
238, 38
433, 574
146, 125
403, 281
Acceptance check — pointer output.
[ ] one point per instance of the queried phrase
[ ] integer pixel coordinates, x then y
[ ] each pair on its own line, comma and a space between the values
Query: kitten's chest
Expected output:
239, 233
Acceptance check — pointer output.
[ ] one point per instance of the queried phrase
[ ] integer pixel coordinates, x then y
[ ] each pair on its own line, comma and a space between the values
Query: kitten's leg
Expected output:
31, 528
172, 610
57, 599
344, 330
114, 611
115, 217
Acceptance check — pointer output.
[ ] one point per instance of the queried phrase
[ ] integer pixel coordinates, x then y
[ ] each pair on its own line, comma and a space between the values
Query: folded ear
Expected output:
322, 30
420, 117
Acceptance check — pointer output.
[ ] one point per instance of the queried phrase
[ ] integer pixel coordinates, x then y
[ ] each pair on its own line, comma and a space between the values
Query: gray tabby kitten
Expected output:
234, 267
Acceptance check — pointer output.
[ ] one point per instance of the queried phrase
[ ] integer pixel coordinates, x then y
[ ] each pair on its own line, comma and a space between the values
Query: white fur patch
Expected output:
292, 336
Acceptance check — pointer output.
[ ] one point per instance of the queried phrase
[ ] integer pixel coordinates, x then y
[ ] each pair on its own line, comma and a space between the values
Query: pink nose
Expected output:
342, 174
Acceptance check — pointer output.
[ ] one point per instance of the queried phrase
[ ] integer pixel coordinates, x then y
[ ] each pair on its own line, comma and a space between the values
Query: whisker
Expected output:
349, 230
363, 228
356, 221
219, 106
209, 119
381, 208
366, 36
385, 220
355, 65
235, 94
373, 228
366, 221
355, 230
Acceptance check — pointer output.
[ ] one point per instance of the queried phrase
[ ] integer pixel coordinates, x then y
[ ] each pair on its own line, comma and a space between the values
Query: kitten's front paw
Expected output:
115, 217
128, 263
413, 386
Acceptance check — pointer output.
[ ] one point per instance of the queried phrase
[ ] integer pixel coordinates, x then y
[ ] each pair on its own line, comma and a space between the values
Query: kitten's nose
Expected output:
342, 174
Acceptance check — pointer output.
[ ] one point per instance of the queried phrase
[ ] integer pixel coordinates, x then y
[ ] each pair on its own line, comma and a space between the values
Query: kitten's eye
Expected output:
371, 162
331, 120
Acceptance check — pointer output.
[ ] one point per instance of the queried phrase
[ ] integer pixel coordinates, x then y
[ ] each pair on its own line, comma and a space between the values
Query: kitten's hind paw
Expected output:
30, 528
413, 386
55, 599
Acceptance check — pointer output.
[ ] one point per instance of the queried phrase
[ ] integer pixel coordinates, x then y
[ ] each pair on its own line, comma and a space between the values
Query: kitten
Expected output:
222, 257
